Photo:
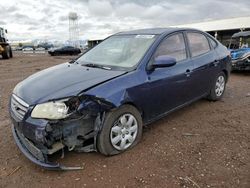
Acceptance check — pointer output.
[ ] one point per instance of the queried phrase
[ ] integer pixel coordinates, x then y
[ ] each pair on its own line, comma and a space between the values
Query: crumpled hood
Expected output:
61, 81
236, 54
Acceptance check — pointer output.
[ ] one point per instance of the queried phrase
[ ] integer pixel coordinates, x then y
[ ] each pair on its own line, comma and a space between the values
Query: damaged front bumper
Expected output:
39, 139
36, 155
241, 64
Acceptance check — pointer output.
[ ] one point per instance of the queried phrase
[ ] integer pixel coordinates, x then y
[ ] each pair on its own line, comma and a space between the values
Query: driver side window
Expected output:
173, 46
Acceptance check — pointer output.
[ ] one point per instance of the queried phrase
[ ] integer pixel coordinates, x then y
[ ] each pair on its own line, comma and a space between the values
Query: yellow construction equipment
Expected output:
5, 48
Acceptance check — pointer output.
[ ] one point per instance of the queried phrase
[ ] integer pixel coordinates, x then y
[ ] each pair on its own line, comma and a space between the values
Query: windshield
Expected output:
121, 51
237, 43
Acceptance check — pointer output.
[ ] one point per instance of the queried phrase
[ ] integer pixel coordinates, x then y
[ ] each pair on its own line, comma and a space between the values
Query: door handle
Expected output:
215, 63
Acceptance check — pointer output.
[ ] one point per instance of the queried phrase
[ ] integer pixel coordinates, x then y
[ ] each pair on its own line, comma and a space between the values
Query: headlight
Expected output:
50, 110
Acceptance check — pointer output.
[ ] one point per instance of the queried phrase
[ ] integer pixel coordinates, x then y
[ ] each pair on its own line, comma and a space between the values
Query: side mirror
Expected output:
164, 61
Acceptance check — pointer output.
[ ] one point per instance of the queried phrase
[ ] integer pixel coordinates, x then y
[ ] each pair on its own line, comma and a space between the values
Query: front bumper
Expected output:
240, 64
22, 144
35, 155
39, 139
240, 67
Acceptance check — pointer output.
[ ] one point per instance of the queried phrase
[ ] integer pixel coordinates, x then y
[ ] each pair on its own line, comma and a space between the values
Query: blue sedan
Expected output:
100, 101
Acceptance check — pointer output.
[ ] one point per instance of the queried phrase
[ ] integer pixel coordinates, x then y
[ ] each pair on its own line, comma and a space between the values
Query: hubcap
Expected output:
124, 132
220, 86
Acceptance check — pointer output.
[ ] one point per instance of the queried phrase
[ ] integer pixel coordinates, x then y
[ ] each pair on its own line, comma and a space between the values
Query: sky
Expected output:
48, 19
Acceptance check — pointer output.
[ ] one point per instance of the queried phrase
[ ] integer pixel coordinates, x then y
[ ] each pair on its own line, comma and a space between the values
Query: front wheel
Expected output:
218, 89
122, 129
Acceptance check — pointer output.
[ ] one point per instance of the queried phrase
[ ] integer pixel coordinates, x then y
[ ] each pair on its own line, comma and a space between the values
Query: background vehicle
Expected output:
40, 50
101, 101
28, 49
240, 51
18, 48
5, 48
66, 50
45, 45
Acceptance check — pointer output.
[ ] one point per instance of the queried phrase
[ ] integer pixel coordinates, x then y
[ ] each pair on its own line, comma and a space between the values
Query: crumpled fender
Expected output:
122, 90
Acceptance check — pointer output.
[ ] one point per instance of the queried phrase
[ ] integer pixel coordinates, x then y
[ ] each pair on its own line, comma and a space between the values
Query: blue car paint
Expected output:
139, 87
236, 54
61, 81
154, 93
240, 59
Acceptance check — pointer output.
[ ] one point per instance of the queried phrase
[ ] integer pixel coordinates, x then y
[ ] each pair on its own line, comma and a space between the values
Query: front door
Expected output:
169, 87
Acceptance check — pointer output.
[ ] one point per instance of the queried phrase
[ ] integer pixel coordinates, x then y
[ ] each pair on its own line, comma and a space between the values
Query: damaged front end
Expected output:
241, 59
40, 138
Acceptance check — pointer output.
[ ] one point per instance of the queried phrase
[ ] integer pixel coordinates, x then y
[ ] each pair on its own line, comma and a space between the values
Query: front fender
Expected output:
122, 90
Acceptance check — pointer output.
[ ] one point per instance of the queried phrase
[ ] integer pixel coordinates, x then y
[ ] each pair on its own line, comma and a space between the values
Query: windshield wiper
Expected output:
72, 61
96, 66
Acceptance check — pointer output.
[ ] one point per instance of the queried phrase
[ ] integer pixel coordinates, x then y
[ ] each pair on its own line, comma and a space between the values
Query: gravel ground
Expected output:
206, 144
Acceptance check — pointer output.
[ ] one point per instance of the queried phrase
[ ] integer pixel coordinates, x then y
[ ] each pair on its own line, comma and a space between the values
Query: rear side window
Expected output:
173, 46
213, 43
198, 44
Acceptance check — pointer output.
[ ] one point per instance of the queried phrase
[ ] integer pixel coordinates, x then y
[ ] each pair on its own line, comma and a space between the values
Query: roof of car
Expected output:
153, 31
241, 34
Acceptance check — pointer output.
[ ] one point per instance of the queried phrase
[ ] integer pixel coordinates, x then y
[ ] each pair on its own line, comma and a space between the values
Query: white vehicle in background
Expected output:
40, 50
28, 50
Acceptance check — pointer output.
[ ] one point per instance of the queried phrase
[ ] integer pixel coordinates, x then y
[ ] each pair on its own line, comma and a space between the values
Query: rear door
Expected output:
63, 50
206, 65
71, 50
68, 50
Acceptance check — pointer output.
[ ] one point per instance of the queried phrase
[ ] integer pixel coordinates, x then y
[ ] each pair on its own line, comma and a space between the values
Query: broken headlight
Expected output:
56, 109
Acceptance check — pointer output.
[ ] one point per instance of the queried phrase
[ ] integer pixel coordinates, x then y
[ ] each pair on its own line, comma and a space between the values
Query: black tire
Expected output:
6, 53
11, 53
213, 95
53, 53
104, 144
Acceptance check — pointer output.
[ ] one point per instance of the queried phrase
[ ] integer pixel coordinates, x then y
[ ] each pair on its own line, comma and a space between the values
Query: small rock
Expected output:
104, 166
77, 179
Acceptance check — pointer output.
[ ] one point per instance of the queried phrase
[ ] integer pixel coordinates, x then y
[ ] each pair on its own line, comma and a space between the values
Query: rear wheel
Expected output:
122, 129
218, 88
11, 53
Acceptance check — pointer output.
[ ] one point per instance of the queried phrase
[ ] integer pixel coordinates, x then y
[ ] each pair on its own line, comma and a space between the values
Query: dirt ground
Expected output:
206, 144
